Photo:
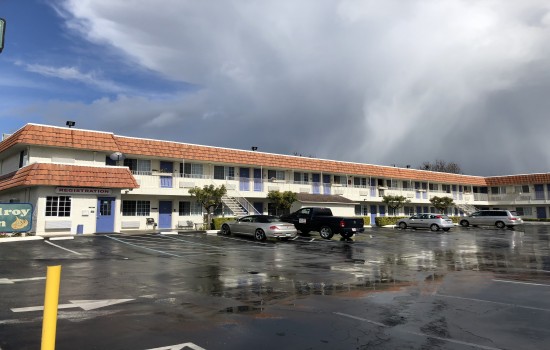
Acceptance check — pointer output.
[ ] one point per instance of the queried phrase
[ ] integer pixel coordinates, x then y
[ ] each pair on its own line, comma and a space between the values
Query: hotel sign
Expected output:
82, 190
15, 217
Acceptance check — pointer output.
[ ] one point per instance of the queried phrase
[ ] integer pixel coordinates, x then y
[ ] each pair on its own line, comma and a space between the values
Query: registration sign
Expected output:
15, 217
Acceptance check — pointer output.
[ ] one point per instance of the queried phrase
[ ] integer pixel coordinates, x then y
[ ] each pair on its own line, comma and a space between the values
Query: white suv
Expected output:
498, 218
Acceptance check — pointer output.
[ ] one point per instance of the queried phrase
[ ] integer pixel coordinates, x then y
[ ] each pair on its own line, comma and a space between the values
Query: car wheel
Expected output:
226, 231
446, 229
464, 223
402, 225
346, 235
500, 224
260, 235
434, 227
326, 232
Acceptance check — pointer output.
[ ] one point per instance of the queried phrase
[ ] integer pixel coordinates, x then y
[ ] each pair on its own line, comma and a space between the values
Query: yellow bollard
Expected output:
51, 300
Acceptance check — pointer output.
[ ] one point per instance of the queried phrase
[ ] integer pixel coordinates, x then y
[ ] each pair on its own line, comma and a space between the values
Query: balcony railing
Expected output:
259, 187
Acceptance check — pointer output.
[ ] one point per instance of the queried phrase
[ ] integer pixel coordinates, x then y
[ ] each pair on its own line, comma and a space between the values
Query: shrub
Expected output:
388, 220
219, 221
366, 220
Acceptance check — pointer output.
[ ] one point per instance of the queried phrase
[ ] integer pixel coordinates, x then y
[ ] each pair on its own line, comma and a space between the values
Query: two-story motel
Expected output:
83, 181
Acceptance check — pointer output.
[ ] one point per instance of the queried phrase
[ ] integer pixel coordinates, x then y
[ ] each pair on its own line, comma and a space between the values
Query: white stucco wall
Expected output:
10, 164
65, 156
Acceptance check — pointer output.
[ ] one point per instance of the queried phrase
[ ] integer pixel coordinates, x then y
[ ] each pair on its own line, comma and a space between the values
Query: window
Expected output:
23, 159
446, 188
340, 180
109, 161
434, 187
192, 170
360, 181
301, 178
136, 208
224, 172
138, 166
275, 174
522, 189
361, 210
58, 206
521, 211
405, 185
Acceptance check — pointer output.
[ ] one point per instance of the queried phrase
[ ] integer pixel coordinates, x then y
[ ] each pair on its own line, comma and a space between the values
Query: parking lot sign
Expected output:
2, 32
15, 217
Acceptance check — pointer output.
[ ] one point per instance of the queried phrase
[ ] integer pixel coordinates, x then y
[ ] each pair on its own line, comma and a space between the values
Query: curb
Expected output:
19, 239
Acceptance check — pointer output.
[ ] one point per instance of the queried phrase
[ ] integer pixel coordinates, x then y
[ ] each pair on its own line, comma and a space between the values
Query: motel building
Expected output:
82, 182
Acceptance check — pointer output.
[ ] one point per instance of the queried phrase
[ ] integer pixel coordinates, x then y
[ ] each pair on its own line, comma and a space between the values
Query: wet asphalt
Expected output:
474, 288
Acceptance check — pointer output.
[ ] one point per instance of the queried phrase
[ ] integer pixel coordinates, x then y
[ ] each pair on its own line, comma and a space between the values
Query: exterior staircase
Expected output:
239, 205
467, 208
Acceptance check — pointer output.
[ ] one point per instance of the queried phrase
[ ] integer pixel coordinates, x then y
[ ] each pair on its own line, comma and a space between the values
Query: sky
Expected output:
380, 82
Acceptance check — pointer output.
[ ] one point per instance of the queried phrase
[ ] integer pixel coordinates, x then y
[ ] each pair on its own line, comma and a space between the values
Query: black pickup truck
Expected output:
322, 220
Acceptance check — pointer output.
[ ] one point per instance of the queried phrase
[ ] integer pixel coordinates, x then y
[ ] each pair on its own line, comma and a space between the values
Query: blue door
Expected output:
541, 213
326, 184
244, 179
316, 179
165, 214
259, 206
539, 191
373, 187
373, 214
382, 210
105, 214
258, 180
167, 168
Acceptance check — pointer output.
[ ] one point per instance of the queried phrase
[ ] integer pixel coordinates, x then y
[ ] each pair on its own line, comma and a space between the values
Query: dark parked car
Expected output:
321, 220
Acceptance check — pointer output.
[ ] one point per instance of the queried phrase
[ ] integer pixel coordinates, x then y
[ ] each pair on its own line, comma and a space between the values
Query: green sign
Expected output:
2, 32
15, 217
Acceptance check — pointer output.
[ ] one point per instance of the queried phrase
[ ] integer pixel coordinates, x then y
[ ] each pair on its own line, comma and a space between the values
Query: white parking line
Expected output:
494, 302
138, 246
243, 240
449, 340
527, 283
55, 245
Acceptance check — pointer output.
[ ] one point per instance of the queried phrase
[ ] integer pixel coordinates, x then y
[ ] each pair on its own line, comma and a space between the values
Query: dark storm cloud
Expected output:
387, 82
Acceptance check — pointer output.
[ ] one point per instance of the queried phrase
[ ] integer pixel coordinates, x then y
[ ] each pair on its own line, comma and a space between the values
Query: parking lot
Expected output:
469, 288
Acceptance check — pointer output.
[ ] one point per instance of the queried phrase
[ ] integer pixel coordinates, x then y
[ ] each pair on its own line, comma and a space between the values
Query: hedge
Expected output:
535, 220
219, 221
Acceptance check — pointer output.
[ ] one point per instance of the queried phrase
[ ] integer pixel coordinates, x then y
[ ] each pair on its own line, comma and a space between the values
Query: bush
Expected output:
388, 220
535, 220
366, 220
219, 221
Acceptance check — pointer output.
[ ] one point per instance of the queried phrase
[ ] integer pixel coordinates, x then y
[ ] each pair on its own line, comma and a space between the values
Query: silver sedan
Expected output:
426, 220
260, 226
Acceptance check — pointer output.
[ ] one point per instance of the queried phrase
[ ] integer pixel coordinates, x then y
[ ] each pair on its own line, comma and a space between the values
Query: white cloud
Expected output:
73, 74
371, 81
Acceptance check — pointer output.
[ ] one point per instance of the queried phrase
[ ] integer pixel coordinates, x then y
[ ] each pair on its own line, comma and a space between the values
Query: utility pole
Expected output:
2, 32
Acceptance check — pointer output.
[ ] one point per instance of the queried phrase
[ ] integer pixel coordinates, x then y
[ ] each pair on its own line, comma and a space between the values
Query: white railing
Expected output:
149, 180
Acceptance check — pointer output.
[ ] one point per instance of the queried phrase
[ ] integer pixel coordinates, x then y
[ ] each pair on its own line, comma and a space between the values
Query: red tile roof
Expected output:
45, 174
510, 180
100, 141
32, 134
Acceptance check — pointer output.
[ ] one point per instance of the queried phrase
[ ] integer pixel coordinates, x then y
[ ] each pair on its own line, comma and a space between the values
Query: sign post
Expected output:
2, 32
